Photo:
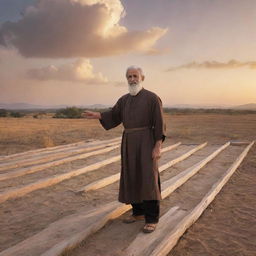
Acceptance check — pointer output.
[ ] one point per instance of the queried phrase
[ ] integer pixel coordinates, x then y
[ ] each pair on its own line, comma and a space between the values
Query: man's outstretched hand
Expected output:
91, 115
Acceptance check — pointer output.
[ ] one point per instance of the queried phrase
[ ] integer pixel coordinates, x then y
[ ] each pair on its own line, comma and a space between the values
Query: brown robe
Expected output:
139, 173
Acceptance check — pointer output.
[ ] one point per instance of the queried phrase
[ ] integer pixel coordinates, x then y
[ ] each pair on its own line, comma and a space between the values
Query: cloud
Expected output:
79, 71
76, 28
216, 65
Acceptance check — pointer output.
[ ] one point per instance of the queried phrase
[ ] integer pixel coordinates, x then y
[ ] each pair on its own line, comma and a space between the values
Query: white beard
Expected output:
134, 89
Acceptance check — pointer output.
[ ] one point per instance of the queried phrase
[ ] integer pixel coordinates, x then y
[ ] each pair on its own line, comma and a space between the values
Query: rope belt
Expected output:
129, 130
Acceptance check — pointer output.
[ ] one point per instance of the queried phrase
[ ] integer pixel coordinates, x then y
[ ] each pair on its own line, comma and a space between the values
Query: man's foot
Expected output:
149, 227
133, 218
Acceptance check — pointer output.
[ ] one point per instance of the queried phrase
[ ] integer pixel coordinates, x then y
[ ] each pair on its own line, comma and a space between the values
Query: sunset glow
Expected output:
75, 52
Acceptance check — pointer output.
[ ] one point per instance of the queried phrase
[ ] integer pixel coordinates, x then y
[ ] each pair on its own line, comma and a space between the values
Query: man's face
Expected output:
134, 77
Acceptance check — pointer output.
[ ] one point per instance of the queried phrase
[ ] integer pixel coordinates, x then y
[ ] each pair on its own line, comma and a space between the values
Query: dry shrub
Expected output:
46, 141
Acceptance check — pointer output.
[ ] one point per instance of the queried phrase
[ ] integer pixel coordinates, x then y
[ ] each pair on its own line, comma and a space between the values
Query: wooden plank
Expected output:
171, 147
99, 183
167, 244
113, 178
47, 156
143, 244
21, 191
182, 157
170, 185
56, 148
40, 150
36, 168
65, 233
165, 237
52, 156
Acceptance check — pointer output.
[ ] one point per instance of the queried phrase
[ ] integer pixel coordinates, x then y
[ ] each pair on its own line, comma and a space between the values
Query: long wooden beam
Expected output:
182, 157
40, 150
54, 155
69, 231
99, 183
170, 185
40, 167
113, 178
18, 192
56, 148
169, 229
21, 191
143, 243
171, 147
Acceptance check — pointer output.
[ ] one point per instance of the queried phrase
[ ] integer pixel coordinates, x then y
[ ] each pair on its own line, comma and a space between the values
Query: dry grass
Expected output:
17, 135
21, 134
214, 128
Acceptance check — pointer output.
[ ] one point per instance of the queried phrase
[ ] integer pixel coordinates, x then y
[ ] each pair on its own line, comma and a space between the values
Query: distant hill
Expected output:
27, 106
18, 106
251, 106
191, 106
97, 106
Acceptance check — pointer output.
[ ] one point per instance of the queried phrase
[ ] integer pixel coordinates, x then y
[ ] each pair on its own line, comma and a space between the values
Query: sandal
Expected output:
149, 227
133, 218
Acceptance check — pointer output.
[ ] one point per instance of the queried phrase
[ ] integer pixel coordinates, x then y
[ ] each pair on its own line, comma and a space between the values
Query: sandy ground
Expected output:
225, 228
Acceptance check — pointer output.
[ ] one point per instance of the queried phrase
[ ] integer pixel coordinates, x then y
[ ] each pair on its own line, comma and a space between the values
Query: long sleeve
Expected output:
111, 118
159, 127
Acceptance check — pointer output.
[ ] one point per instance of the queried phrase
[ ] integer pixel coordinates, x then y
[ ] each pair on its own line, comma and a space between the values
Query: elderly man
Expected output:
140, 112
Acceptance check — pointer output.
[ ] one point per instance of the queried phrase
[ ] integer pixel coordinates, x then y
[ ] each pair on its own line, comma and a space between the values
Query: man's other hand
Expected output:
91, 115
156, 153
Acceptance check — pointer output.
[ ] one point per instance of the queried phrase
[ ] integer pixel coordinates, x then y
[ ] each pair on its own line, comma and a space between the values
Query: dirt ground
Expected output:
225, 228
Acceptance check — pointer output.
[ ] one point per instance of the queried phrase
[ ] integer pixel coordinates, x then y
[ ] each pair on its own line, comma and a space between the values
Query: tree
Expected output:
69, 112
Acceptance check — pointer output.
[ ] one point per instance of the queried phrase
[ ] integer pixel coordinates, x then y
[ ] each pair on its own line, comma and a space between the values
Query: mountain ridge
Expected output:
28, 106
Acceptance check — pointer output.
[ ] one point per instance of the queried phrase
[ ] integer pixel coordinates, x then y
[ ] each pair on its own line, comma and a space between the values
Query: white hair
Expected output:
136, 68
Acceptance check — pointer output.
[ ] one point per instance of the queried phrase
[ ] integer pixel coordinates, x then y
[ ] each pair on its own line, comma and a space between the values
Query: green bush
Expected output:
70, 112
16, 114
3, 113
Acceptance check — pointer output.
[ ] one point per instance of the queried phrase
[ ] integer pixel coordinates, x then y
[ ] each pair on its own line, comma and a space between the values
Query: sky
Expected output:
76, 52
